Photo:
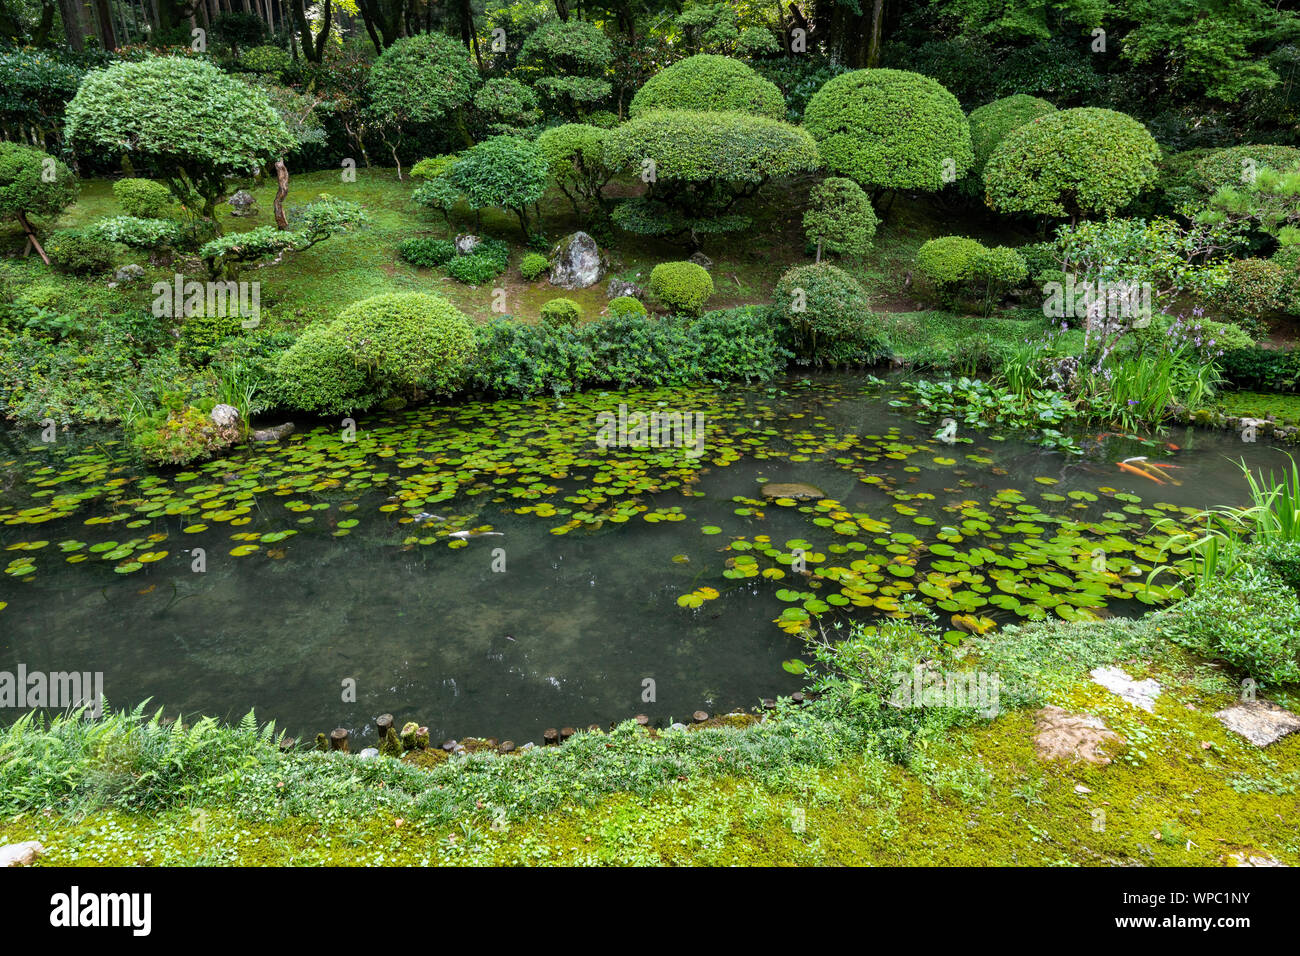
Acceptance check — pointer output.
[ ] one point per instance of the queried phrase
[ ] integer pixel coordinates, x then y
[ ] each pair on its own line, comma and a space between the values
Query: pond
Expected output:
492, 570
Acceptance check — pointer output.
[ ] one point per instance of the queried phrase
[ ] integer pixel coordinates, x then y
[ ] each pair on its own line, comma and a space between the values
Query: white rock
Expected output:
1142, 693
20, 854
1259, 721
224, 416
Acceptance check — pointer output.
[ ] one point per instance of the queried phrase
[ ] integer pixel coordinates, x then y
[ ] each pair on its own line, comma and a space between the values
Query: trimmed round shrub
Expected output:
990, 124
503, 171
317, 374
433, 167
507, 103
624, 306
561, 312
78, 253
266, 59
890, 129
828, 315
1254, 287
1078, 162
712, 83
141, 198
949, 260
1233, 166
24, 189
681, 286
420, 79
840, 217
437, 194
408, 341
1001, 265
533, 265
1040, 257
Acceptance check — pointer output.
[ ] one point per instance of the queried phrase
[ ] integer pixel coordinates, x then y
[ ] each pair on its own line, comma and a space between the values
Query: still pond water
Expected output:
329, 561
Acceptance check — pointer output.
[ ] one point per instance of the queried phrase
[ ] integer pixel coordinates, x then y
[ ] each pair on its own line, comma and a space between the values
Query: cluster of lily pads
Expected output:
429, 476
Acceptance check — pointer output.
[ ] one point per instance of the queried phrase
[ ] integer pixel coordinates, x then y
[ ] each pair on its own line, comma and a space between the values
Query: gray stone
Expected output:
576, 262
242, 203
701, 260
621, 287
1259, 721
466, 244
20, 854
791, 489
677, 726
129, 273
1142, 693
370, 753
275, 433
225, 416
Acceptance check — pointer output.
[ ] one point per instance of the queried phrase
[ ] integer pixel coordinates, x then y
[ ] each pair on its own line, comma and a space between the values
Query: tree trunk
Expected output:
31, 237
324, 36
71, 12
104, 23
282, 190
873, 43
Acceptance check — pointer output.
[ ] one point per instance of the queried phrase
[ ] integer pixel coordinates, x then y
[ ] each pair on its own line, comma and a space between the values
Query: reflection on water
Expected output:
578, 622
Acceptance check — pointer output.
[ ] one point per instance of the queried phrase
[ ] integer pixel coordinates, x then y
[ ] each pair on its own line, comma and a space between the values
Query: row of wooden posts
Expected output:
414, 737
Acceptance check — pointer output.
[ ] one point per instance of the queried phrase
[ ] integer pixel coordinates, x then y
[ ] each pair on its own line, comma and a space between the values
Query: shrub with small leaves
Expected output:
949, 261
266, 59
991, 123
561, 312
533, 266
427, 252
141, 198
840, 217
708, 82
1077, 162
1255, 287
624, 306
134, 232
681, 286
77, 253
828, 315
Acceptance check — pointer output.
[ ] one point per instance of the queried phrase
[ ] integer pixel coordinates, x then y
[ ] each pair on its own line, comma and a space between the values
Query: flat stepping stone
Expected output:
1259, 721
1074, 737
792, 489
1250, 859
21, 854
1139, 693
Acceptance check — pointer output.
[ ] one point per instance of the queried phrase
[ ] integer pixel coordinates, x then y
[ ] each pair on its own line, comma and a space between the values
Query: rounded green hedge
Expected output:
1001, 265
890, 129
990, 124
79, 253
533, 265
840, 217
712, 83
681, 287
142, 198
625, 306
949, 260
696, 146
829, 317
391, 344
1078, 162
561, 312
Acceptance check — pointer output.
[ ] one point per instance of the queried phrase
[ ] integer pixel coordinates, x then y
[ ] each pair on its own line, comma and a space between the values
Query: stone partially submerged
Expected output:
576, 262
792, 489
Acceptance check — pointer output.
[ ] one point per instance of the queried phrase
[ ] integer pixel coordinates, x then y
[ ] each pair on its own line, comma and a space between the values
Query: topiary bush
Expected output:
317, 374
949, 261
504, 171
890, 129
840, 218
1193, 176
137, 233
507, 104
1001, 266
408, 341
991, 123
681, 286
1254, 287
533, 266
77, 253
829, 319
141, 198
561, 312
1072, 163
437, 194
27, 190
624, 306
708, 82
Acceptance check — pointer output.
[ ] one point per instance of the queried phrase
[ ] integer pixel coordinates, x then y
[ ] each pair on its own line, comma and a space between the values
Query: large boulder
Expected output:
466, 244
576, 262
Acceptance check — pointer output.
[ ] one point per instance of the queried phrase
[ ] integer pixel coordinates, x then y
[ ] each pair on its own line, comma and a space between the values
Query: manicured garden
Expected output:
979, 342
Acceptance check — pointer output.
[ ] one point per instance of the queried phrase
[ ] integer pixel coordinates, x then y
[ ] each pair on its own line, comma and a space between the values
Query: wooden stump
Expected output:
339, 739
699, 716
550, 737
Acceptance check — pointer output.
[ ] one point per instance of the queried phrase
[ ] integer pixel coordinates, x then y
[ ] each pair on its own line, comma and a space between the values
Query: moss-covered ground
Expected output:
1182, 791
